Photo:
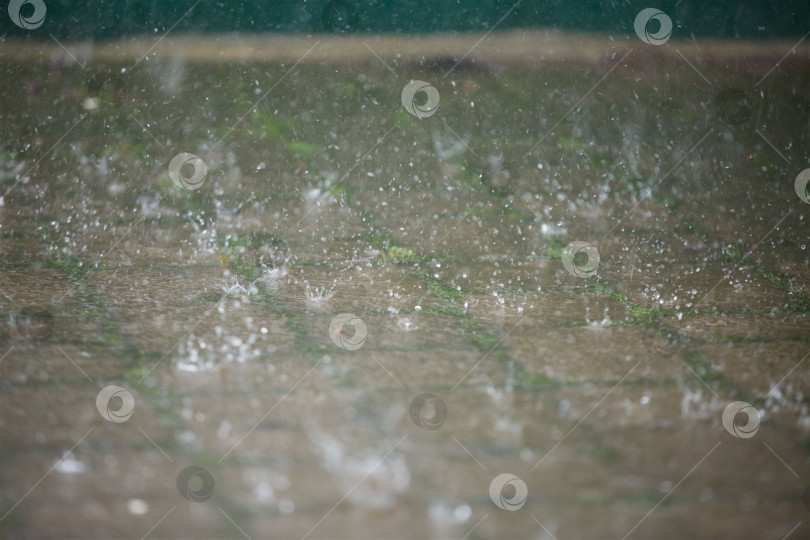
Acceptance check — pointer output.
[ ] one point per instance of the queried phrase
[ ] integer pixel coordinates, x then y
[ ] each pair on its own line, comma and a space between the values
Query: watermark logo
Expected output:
32, 323
752, 421
642, 26
195, 484
339, 16
802, 185
733, 106
187, 171
108, 411
580, 259
508, 492
28, 14
351, 340
428, 411
500, 176
420, 99
661, 342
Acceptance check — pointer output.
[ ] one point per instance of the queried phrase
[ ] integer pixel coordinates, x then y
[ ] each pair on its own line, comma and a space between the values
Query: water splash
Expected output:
319, 295
369, 480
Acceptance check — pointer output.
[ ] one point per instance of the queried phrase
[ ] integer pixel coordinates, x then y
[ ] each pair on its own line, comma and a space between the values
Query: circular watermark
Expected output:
112, 414
195, 483
501, 177
512, 500
802, 185
752, 419
349, 340
30, 20
428, 411
339, 16
642, 26
187, 171
573, 255
662, 341
733, 106
32, 322
421, 99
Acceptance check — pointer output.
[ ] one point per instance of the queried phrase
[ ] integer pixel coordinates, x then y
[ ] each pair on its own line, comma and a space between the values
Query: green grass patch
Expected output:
302, 149
534, 382
451, 311
269, 124
403, 254
644, 316
380, 241
673, 204
443, 292
571, 143
404, 118
73, 269
636, 314
799, 304
246, 272
338, 191
780, 281
734, 254
601, 287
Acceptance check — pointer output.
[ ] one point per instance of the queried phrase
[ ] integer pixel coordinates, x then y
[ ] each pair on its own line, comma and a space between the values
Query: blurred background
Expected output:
405, 269
78, 20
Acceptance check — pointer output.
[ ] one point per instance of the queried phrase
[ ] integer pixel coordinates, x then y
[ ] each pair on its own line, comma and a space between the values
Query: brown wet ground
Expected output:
603, 394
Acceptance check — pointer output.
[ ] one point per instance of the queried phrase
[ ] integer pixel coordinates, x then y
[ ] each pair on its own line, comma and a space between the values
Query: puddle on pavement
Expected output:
477, 343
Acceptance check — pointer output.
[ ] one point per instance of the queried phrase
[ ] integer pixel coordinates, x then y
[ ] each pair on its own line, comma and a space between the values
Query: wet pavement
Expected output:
352, 304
